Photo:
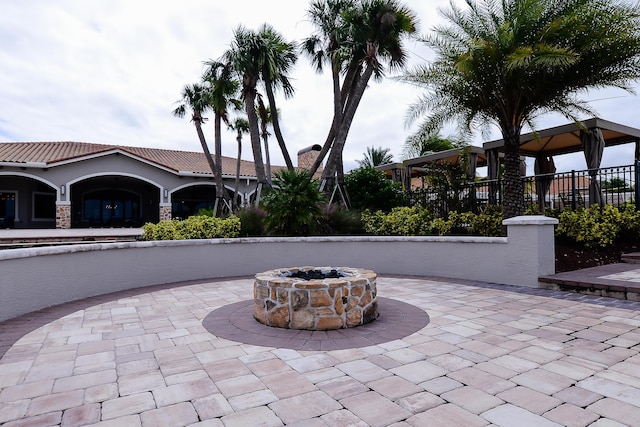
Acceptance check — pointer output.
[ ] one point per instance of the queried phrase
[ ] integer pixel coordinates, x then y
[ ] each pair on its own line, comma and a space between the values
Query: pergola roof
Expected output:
451, 156
566, 139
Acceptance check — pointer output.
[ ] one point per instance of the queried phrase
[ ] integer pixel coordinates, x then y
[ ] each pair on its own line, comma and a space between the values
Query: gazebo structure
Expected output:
404, 172
590, 136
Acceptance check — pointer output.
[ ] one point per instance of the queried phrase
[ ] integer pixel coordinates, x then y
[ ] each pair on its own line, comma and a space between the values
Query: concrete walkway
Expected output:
10, 237
490, 355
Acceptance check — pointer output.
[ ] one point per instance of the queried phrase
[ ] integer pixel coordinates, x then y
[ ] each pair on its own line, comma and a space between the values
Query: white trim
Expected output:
193, 184
34, 165
37, 178
100, 174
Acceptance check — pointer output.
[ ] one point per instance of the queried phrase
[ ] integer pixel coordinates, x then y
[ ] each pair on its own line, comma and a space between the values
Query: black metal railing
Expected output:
617, 185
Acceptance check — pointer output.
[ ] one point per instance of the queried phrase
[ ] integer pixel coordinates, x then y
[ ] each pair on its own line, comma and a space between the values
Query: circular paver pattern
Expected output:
235, 322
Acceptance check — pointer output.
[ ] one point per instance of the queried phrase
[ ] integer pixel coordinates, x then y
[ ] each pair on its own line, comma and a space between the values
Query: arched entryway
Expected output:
26, 202
114, 201
190, 200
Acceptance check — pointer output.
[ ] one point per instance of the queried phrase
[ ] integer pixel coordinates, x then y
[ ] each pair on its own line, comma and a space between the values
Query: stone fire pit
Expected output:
323, 298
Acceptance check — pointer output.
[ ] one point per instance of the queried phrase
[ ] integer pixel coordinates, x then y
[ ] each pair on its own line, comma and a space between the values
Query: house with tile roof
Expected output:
76, 184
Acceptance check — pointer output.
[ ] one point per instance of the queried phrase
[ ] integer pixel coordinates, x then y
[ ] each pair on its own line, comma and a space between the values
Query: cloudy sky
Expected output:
111, 71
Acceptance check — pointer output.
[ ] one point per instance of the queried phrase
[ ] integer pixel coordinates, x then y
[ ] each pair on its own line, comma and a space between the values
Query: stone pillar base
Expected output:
165, 212
63, 215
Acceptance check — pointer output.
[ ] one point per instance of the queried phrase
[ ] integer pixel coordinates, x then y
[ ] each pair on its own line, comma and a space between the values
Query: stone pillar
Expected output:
63, 215
533, 241
165, 211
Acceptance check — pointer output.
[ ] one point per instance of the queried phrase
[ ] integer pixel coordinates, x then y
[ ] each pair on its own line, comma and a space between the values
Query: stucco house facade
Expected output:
76, 184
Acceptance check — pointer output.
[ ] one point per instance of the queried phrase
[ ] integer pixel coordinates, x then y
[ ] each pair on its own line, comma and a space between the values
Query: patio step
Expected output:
631, 258
621, 281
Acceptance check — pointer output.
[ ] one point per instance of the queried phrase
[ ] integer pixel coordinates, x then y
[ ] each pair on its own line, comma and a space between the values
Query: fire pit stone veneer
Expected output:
283, 300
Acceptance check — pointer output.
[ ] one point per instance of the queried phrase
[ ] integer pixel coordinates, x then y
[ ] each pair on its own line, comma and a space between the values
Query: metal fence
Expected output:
618, 185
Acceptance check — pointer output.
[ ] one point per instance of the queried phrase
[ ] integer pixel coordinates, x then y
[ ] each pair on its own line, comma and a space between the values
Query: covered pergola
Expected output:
412, 168
590, 136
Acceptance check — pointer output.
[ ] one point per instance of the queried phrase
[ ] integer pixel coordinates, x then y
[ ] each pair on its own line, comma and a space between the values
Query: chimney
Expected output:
307, 156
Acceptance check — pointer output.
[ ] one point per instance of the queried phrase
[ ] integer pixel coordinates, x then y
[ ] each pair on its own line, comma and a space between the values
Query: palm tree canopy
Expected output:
326, 45
277, 59
222, 87
512, 60
423, 143
377, 27
195, 97
352, 32
375, 157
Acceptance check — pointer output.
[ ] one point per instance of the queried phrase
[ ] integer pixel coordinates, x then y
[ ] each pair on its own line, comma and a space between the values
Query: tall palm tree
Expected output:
197, 98
509, 61
241, 126
355, 37
222, 87
375, 157
329, 45
279, 57
245, 56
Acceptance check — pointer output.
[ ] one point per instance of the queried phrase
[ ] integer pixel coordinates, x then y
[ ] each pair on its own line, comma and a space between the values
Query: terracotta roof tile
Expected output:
55, 152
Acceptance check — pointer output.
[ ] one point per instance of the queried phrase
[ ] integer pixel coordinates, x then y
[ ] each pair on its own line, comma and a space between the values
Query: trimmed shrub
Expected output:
488, 223
194, 227
417, 221
252, 221
401, 221
341, 221
370, 189
593, 227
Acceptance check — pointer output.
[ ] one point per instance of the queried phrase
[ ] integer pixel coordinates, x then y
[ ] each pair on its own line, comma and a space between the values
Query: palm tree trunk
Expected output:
265, 138
512, 202
254, 133
218, 161
205, 148
238, 162
335, 156
335, 124
276, 126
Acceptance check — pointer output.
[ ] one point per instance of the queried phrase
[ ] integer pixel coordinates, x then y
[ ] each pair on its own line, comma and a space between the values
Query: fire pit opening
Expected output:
315, 298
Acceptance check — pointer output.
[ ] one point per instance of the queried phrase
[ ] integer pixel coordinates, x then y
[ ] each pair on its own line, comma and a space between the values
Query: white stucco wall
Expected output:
32, 279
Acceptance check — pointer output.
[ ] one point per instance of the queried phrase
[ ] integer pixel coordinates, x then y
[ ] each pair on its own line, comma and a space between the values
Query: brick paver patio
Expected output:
489, 355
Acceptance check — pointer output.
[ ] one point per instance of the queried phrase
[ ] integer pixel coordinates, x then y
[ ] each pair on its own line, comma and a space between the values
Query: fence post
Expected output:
573, 189
637, 183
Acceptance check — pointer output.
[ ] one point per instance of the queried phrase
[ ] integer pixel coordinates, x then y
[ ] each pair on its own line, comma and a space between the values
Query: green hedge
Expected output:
195, 227
418, 221
600, 226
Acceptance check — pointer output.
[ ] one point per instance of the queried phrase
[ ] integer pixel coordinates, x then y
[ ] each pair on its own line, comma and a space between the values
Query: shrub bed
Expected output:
194, 227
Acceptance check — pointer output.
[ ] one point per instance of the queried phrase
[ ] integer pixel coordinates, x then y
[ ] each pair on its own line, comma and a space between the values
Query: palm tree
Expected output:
245, 56
423, 143
509, 61
354, 37
241, 126
376, 156
197, 98
279, 57
221, 87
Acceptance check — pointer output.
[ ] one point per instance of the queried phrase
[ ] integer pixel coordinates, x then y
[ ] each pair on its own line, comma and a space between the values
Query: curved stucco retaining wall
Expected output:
31, 279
